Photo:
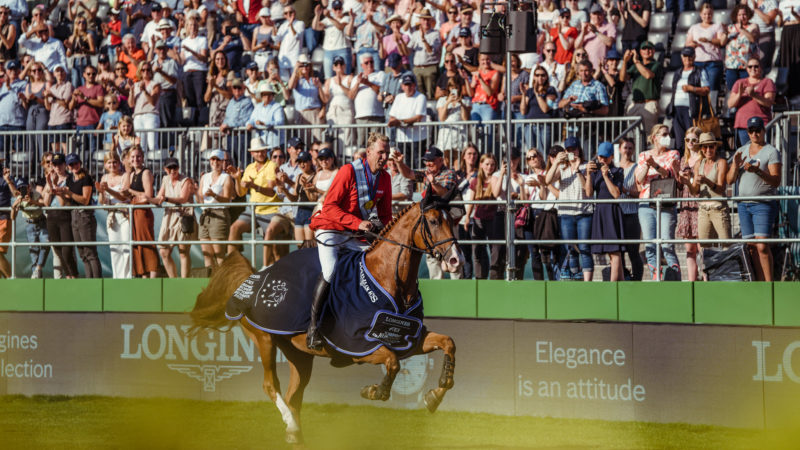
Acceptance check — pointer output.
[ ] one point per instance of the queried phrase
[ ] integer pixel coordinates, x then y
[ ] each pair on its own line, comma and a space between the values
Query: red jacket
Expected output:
341, 212
252, 15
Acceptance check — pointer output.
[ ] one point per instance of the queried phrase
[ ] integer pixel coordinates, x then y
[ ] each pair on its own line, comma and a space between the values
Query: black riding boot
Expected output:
313, 338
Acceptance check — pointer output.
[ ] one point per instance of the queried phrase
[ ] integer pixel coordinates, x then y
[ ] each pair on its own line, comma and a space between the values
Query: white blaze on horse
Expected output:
386, 275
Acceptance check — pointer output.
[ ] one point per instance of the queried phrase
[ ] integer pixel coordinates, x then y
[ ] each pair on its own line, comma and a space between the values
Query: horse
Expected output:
393, 259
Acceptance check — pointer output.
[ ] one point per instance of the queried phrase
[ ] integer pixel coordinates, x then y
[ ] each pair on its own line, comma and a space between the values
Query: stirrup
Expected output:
314, 340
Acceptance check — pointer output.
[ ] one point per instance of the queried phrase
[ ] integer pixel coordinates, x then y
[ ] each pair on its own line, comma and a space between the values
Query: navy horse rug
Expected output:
358, 318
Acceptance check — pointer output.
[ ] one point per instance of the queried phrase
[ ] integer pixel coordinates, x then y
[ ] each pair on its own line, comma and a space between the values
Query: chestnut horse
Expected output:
393, 259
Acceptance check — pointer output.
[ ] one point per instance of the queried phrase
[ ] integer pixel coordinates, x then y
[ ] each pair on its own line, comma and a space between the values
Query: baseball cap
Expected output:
170, 163
432, 154
337, 4
605, 149
21, 182
114, 11
219, 154
164, 5
236, 83
563, 12
572, 141
409, 79
160, 44
155, 7
302, 59
304, 156
252, 65
72, 158
58, 158
296, 142
755, 122
394, 60
12, 65
613, 54
596, 9
464, 32
264, 12
646, 44
325, 153
687, 51
338, 60
102, 58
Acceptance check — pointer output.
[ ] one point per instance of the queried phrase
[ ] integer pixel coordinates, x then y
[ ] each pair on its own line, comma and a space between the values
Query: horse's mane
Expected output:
391, 224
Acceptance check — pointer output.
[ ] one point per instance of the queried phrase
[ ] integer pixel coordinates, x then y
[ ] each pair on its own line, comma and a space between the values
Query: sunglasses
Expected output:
119, 68
89, 74
579, 54
449, 61
691, 140
278, 157
36, 70
532, 157
549, 50
754, 66
540, 74
371, 62
755, 130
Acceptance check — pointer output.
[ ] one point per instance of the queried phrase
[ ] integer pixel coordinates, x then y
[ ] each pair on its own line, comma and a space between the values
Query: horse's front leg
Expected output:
435, 341
389, 360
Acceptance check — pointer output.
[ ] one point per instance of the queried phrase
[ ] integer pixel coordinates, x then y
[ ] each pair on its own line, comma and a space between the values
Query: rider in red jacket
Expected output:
359, 199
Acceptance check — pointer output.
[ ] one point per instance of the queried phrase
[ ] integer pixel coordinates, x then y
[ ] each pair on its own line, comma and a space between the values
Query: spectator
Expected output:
610, 76
402, 187
539, 102
56, 100
597, 36
303, 191
707, 38
13, 105
38, 116
325, 174
556, 72
121, 86
367, 30
136, 14
465, 21
178, 223
752, 97
466, 169
364, 91
8, 35
452, 71
575, 219
79, 47
78, 192
339, 105
216, 186
427, 48
289, 37
112, 30
229, 42
49, 52
686, 227
110, 191
305, 87
29, 202
125, 139
485, 102
218, 92
659, 162
464, 50
563, 35
140, 189
572, 69
334, 42
452, 108
517, 193
535, 189
546, 15
280, 227
253, 77
395, 42
630, 210
109, 121
265, 117
173, 42
262, 44
690, 87
645, 74
487, 223
273, 77
635, 22
237, 113
519, 83
87, 102
449, 25
144, 101
166, 73
392, 82
756, 167
130, 55
59, 222
578, 15
408, 109
585, 96
764, 14
194, 59
6, 228
740, 38
105, 74
713, 217
604, 181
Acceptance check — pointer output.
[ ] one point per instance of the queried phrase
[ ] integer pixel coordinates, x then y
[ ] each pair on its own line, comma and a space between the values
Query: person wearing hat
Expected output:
29, 203
409, 108
306, 88
237, 113
262, 44
150, 32
757, 167
113, 29
359, 199
215, 186
465, 21
604, 181
178, 223
78, 192
369, 26
339, 103
713, 216
59, 221
635, 15
564, 36
597, 36
427, 48
166, 73
364, 90
38, 43
266, 116
395, 42
7, 188
690, 87
165, 33
646, 75
302, 190
610, 77
13, 105
289, 37
230, 41
392, 82
56, 100
752, 97
335, 43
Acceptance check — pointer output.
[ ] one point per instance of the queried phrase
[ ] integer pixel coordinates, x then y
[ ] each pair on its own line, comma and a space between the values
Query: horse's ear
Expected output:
427, 200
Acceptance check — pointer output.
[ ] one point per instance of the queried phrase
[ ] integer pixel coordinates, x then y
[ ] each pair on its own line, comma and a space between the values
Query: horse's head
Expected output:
437, 220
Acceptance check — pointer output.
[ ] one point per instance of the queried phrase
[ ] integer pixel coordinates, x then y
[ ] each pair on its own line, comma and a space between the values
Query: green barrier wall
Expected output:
714, 303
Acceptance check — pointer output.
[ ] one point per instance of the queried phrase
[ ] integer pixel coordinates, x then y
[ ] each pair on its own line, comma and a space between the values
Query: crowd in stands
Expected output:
133, 67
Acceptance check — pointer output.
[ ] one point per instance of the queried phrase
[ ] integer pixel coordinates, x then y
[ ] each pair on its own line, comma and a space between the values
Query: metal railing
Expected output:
511, 241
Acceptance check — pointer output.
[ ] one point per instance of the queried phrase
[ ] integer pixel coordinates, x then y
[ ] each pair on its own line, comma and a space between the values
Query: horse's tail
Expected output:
209, 309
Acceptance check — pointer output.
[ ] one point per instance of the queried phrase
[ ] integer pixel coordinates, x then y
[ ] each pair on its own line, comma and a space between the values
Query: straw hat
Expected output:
257, 145
708, 138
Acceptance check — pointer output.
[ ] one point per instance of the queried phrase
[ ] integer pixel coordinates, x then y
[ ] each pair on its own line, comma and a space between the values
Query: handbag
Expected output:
709, 124
664, 188
523, 217
187, 224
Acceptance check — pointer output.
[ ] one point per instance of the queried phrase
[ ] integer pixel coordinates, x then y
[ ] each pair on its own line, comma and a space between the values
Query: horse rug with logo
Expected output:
358, 318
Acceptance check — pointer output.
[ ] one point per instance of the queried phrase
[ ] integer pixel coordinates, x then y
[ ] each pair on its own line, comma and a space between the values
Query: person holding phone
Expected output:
604, 181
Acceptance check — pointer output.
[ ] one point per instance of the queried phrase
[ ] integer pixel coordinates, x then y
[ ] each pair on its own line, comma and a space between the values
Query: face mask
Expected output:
665, 141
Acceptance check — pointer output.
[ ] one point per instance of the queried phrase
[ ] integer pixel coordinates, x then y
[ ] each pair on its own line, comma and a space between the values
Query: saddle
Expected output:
358, 318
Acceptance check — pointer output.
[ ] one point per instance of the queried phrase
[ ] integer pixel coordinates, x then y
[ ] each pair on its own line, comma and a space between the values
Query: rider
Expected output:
359, 199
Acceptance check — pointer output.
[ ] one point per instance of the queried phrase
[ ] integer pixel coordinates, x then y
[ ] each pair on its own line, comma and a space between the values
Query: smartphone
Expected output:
453, 91
754, 162
571, 156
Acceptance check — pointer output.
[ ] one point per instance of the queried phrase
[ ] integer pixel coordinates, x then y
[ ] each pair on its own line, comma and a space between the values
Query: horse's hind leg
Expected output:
300, 366
384, 389
435, 341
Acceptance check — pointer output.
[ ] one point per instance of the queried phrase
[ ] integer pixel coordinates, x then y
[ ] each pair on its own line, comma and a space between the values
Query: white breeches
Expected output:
328, 244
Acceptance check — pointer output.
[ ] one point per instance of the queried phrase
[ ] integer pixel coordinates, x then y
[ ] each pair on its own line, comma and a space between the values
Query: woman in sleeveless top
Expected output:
38, 115
687, 215
110, 190
144, 101
59, 222
8, 37
79, 47
325, 174
178, 223
218, 92
713, 217
262, 40
336, 94
140, 189
486, 86
630, 211
487, 223
216, 186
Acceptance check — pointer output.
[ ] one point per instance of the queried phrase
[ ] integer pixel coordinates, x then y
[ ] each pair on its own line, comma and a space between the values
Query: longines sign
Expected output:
733, 376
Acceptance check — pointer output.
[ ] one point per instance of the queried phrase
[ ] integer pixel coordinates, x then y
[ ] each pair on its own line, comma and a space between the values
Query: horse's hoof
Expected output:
294, 437
446, 382
374, 392
432, 400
